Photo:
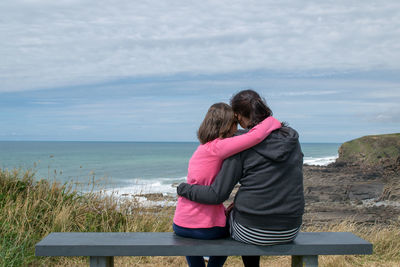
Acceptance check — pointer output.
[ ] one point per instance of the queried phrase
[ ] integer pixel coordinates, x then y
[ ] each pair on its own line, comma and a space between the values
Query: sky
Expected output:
149, 70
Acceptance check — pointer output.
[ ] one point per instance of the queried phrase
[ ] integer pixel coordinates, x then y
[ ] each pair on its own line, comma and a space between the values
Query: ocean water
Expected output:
124, 167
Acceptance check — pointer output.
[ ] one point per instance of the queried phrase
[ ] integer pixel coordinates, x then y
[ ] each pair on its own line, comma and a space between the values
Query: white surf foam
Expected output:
138, 186
323, 161
167, 186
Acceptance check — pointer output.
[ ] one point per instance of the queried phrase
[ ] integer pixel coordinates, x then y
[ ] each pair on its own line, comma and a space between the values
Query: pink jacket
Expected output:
205, 164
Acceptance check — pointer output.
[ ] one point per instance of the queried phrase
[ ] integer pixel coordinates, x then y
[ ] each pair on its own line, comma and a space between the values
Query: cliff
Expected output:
363, 184
372, 151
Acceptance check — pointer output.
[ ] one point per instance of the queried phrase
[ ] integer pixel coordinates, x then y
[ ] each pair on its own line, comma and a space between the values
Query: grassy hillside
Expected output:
371, 150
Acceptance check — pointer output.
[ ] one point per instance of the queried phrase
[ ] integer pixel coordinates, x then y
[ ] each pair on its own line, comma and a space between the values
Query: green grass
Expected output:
30, 210
371, 149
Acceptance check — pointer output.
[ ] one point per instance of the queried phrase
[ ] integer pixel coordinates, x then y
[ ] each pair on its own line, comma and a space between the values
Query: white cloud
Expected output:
308, 93
45, 102
78, 127
62, 43
391, 93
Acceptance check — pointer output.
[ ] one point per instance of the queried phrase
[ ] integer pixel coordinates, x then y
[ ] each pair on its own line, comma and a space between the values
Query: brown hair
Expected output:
249, 104
218, 122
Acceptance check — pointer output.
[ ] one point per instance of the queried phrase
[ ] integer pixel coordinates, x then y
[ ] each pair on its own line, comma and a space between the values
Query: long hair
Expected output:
249, 104
218, 122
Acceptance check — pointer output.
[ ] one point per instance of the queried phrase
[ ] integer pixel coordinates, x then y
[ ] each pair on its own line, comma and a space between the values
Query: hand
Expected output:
179, 188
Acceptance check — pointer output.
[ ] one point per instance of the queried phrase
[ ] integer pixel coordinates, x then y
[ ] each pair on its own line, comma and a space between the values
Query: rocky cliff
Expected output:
363, 185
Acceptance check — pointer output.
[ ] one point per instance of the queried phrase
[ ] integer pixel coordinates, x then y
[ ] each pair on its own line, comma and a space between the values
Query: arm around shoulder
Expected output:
229, 146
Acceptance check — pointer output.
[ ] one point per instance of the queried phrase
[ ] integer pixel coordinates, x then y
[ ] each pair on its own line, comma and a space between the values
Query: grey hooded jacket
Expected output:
271, 183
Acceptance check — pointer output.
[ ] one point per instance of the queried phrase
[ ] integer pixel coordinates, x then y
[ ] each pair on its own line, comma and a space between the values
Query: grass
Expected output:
372, 149
30, 210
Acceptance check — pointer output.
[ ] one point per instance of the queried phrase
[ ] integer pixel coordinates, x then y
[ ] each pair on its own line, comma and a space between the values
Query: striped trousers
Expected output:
261, 237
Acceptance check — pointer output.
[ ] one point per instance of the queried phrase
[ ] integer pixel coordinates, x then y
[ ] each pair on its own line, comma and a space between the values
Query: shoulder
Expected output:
232, 161
285, 132
211, 146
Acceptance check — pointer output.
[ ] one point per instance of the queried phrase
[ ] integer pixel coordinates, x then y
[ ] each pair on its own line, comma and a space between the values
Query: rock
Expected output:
362, 191
336, 193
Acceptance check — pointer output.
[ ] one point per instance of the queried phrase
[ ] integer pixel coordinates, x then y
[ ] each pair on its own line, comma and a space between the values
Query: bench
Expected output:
102, 247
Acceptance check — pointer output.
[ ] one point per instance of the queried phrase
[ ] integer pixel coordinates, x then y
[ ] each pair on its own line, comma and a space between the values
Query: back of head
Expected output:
249, 104
217, 123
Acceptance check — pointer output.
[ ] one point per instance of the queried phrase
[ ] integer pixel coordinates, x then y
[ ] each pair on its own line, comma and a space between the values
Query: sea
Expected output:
120, 167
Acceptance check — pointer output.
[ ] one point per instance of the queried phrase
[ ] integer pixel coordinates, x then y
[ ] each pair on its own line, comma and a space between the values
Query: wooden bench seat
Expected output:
102, 247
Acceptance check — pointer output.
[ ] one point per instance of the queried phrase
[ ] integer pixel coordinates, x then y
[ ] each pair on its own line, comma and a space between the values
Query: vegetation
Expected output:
371, 150
30, 210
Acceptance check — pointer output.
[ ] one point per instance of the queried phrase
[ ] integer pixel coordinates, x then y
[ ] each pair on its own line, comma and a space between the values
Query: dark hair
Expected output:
249, 104
218, 122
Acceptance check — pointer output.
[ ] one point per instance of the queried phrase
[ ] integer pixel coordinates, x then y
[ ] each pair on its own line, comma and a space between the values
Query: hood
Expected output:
278, 145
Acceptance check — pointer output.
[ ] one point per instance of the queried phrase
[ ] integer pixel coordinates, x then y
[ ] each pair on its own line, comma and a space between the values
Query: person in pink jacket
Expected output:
217, 143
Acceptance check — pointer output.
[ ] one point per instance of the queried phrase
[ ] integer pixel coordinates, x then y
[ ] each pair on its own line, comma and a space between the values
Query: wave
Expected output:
140, 186
167, 186
321, 161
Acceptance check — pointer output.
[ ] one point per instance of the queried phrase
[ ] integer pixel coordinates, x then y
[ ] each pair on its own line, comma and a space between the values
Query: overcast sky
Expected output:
148, 70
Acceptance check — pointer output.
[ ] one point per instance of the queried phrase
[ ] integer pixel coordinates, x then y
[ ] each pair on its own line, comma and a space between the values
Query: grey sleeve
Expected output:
220, 189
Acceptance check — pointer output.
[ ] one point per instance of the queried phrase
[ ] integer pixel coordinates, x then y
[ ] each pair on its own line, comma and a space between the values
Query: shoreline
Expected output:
154, 186
333, 194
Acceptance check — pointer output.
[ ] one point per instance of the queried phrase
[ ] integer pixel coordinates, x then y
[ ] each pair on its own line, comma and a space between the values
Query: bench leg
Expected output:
101, 261
305, 261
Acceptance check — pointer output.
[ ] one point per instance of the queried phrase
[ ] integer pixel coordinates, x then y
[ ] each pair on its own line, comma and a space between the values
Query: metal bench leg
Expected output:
101, 261
305, 261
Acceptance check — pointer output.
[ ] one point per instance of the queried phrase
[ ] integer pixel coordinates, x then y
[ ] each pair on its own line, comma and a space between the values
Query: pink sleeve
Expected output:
227, 147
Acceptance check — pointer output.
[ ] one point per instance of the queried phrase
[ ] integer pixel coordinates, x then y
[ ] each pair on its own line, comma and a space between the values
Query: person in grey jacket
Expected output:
269, 203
